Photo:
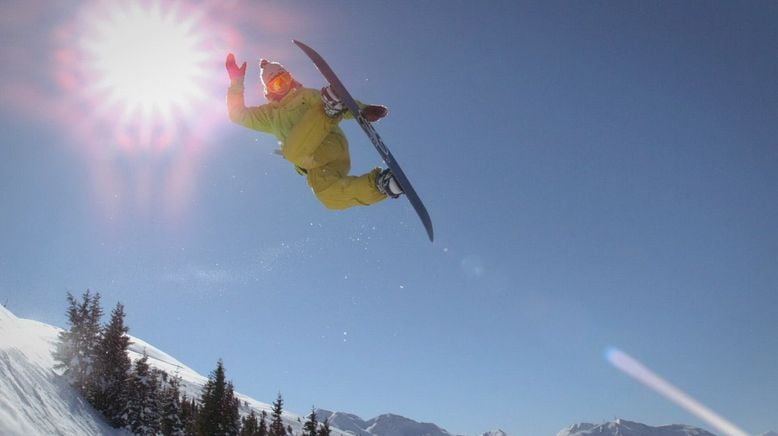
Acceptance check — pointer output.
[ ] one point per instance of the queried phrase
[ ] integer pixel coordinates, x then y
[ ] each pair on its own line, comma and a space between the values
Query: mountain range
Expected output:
383, 425
621, 427
35, 399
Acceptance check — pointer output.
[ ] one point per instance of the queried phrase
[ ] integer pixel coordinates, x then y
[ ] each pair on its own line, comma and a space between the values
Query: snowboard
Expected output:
382, 149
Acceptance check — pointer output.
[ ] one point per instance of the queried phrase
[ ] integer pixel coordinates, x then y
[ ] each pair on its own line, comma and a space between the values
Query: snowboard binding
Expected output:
387, 184
332, 104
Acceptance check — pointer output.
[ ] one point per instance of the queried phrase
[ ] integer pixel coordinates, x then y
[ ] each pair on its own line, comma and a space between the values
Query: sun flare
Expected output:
136, 81
146, 59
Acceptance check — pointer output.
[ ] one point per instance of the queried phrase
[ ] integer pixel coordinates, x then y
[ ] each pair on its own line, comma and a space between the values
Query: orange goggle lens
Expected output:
280, 83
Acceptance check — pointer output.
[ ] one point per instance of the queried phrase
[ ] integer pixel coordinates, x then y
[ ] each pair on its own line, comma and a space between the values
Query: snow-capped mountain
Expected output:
497, 432
621, 427
345, 421
36, 400
383, 425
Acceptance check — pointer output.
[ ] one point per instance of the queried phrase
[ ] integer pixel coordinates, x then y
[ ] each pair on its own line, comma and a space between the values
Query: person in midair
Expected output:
305, 121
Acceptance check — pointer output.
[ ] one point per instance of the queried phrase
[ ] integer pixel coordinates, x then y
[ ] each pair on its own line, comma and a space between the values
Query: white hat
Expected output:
270, 70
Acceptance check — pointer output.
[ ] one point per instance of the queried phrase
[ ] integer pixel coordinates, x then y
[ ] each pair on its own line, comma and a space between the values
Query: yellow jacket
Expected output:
287, 120
312, 141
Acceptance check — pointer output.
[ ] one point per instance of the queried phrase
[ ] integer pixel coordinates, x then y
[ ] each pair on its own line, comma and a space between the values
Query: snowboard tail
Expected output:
375, 138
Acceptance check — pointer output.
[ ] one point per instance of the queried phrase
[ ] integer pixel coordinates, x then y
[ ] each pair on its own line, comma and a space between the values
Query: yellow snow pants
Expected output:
320, 149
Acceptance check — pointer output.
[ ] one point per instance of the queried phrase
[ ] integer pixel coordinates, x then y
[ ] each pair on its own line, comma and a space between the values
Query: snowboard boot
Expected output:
332, 104
387, 184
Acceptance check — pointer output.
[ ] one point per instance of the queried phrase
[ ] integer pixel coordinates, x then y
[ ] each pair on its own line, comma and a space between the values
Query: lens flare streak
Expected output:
641, 373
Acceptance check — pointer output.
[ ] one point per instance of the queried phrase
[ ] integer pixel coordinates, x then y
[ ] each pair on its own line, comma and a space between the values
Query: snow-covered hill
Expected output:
622, 427
35, 400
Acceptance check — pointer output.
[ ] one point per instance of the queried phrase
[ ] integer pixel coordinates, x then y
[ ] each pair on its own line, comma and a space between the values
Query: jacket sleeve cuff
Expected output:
237, 84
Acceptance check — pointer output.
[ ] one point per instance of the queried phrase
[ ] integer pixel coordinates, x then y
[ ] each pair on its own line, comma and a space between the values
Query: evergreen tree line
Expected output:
147, 401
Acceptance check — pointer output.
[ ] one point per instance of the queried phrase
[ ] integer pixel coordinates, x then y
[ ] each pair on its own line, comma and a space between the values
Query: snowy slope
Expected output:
192, 383
622, 427
35, 400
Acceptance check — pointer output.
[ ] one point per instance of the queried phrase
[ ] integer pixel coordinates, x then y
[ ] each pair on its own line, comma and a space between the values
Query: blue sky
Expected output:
600, 174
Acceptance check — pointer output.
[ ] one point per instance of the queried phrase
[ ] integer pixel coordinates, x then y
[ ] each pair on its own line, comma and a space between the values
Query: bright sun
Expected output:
145, 59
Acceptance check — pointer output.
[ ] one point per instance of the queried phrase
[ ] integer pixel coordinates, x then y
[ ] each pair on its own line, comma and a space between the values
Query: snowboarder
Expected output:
306, 122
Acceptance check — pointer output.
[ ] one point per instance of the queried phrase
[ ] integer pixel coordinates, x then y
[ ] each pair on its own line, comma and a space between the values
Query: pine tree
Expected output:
310, 428
231, 411
262, 429
277, 423
325, 429
249, 425
218, 414
75, 352
143, 417
69, 351
112, 370
189, 411
210, 399
171, 423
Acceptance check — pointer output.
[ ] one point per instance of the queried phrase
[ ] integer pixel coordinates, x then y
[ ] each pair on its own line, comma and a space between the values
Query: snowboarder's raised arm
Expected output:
257, 118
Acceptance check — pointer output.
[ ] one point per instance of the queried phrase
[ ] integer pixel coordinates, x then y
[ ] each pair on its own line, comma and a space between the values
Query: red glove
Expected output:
233, 70
374, 112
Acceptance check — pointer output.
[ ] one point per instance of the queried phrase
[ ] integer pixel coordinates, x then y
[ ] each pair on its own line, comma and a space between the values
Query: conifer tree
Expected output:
75, 352
189, 412
112, 370
231, 411
171, 423
218, 414
262, 429
143, 416
210, 402
277, 423
249, 425
325, 429
310, 428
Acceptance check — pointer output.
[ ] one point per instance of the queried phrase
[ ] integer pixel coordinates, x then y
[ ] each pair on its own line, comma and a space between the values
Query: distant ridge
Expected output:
621, 427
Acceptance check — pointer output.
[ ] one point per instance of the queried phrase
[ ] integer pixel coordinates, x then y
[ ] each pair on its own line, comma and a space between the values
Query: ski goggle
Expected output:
280, 83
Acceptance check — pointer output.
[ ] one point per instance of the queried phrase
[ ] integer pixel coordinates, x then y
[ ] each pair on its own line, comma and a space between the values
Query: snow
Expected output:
621, 427
36, 400
494, 433
394, 425
383, 425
